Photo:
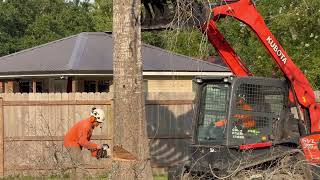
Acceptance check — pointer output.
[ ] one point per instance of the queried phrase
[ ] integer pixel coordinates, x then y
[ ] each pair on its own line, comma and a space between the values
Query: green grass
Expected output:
160, 177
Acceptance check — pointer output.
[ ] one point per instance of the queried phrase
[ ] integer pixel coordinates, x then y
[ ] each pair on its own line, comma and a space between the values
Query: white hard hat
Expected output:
98, 114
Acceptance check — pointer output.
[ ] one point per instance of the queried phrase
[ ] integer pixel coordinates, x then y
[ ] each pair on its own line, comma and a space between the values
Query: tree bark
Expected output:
129, 126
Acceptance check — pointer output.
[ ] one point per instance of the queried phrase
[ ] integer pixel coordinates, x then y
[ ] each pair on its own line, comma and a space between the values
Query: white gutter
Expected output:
187, 73
144, 73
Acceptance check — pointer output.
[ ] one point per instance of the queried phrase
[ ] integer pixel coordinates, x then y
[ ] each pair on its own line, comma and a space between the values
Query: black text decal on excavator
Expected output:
277, 50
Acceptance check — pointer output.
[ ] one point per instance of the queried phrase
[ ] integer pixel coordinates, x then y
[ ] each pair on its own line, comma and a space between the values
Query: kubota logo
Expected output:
277, 50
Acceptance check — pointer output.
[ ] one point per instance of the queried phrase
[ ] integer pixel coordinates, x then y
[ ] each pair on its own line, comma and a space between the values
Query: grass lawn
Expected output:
161, 177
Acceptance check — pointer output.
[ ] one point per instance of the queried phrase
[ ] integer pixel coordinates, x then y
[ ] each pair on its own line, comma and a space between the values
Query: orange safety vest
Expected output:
247, 120
79, 135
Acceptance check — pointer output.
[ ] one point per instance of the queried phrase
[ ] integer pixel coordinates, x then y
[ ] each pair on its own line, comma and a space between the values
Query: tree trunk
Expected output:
129, 125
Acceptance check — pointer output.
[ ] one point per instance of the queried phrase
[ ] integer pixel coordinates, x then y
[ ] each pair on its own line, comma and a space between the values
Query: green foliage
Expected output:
102, 15
187, 42
26, 23
155, 39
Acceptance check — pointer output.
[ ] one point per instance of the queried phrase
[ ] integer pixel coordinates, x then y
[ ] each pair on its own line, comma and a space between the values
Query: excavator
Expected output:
243, 122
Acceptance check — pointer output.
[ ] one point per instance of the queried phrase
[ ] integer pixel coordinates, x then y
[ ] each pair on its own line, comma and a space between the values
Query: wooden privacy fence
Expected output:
32, 128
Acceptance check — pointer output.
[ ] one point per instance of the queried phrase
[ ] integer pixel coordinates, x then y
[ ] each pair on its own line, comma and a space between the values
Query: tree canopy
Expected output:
295, 24
26, 23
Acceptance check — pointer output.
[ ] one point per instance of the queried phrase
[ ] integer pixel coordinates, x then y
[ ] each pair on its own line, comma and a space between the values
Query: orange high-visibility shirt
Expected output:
220, 123
79, 135
246, 119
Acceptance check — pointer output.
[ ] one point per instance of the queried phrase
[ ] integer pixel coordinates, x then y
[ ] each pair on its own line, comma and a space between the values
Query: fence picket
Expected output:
64, 110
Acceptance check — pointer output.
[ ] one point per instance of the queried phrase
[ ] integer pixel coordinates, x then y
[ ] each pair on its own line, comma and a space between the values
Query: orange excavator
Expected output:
285, 113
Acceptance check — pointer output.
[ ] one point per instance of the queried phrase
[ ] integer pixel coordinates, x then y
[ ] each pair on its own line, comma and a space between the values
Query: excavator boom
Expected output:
224, 50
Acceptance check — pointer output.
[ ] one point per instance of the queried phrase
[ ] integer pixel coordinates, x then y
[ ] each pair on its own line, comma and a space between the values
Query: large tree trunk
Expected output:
129, 125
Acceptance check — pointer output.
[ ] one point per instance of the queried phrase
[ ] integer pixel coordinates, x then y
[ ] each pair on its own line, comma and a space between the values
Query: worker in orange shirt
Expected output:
245, 120
79, 136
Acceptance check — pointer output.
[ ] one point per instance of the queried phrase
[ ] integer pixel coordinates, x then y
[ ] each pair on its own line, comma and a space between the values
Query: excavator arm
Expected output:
246, 12
224, 49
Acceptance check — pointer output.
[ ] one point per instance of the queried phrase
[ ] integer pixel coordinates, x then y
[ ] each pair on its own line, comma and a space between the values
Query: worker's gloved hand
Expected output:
104, 152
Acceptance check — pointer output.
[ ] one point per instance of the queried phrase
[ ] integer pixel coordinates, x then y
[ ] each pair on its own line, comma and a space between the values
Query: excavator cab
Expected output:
240, 122
239, 111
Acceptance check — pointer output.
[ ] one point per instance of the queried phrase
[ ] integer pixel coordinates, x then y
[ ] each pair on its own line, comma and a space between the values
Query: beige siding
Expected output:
184, 85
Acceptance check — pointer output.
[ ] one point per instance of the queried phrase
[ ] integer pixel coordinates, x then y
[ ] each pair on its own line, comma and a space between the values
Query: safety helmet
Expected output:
98, 114
241, 98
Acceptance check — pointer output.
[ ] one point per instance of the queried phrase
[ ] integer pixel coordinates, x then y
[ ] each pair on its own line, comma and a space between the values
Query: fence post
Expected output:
1, 139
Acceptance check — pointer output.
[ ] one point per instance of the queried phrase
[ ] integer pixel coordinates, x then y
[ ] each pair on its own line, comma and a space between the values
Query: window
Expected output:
103, 86
39, 86
28, 86
25, 86
89, 86
214, 110
60, 85
257, 108
96, 85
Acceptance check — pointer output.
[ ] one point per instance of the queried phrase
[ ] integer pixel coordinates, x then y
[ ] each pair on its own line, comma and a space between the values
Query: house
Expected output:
83, 63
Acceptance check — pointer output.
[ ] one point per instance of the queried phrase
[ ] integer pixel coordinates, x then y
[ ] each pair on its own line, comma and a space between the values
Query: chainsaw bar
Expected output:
120, 154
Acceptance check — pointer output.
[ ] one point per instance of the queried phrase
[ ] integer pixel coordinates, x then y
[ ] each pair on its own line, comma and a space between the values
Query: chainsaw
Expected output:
117, 153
